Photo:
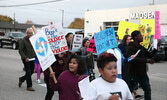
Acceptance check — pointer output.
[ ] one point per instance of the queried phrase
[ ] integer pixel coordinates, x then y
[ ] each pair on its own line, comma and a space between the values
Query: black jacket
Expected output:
25, 49
137, 66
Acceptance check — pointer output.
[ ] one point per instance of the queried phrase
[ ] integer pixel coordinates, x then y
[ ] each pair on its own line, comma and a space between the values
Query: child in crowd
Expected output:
58, 67
108, 86
67, 82
37, 69
121, 60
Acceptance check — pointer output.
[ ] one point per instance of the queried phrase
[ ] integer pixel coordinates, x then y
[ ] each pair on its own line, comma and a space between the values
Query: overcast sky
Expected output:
45, 13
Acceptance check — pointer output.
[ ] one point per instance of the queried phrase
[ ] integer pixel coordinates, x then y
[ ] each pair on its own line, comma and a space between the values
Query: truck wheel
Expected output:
14, 45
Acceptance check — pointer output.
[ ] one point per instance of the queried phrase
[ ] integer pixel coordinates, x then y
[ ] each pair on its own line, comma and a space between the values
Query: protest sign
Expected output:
146, 33
149, 23
77, 42
157, 26
92, 46
83, 86
126, 28
56, 38
148, 27
42, 49
105, 40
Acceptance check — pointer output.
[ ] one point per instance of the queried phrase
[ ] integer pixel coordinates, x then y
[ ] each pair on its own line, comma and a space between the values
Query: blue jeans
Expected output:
144, 83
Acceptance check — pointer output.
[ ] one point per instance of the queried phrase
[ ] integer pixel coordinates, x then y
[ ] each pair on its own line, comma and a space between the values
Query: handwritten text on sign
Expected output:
157, 26
77, 42
105, 40
56, 38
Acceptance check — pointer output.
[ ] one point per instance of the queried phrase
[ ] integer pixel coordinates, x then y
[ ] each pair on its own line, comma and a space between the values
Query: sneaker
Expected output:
30, 89
139, 97
39, 81
20, 82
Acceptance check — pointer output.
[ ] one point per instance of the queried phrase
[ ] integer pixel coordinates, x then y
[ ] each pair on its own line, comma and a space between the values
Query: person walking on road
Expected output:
123, 47
37, 69
67, 82
89, 59
58, 67
137, 67
108, 86
121, 60
26, 52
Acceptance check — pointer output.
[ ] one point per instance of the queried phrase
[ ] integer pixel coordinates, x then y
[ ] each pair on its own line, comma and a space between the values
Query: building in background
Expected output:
7, 27
110, 18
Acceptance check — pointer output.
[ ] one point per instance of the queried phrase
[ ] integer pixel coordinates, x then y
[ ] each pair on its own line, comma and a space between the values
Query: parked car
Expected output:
164, 44
2, 34
12, 39
162, 52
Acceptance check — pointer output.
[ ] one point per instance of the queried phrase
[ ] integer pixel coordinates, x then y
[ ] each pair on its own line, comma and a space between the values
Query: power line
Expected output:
31, 4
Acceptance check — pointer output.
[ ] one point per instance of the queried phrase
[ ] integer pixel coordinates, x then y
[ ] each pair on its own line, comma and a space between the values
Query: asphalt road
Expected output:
11, 69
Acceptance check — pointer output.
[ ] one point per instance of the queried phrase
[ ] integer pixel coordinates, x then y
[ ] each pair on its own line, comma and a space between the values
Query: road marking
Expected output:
44, 85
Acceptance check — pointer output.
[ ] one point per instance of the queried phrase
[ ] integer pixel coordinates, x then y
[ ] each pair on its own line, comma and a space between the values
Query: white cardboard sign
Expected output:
77, 42
42, 49
56, 38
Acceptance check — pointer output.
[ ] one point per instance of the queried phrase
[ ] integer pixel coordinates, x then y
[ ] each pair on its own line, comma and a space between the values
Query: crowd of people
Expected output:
121, 72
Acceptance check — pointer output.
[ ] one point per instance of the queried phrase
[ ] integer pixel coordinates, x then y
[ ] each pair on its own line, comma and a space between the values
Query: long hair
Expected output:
68, 35
81, 64
84, 41
123, 42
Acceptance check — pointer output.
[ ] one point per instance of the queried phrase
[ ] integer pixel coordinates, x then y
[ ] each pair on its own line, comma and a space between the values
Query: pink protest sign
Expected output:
92, 46
157, 26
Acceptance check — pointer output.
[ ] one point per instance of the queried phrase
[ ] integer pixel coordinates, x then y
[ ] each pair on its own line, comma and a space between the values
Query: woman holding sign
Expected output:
123, 47
88, 57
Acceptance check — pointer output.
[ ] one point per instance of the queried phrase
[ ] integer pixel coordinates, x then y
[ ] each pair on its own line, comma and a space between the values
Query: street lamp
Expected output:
62, 16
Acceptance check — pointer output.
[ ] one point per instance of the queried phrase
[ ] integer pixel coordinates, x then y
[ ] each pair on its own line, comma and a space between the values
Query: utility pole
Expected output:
153, 2
14, 20
62, 16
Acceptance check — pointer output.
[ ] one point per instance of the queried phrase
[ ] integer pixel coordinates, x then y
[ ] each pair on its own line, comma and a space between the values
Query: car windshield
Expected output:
18, 34
163, 39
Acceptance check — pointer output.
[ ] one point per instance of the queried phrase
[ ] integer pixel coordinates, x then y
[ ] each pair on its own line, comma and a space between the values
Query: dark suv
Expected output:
2, 34
162, 53
12, 38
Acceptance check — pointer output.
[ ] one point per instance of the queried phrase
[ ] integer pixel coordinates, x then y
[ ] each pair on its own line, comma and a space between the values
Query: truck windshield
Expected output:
18, 34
